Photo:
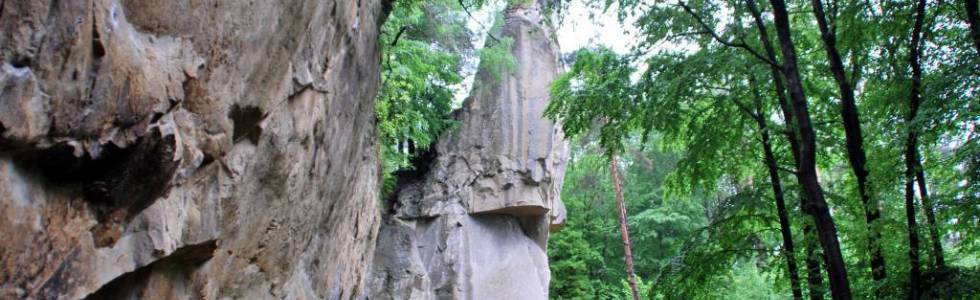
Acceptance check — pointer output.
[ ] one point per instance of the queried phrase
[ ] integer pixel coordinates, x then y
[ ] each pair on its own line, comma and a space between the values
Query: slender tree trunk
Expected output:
911, 150
915, 272
814, 278
807, 172
777, 190
972, 17
624, 225
784, 224
938, 259
855, 145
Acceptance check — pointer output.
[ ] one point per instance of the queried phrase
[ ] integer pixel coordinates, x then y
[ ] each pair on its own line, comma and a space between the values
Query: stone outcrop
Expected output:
475, 224
187, 149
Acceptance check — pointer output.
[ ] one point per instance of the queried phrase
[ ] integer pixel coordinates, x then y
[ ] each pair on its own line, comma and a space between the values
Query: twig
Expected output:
467, 10
719, 39
398, 36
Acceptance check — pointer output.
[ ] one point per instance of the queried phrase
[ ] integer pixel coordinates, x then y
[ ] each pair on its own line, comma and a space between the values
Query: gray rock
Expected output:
187, 149
476, 225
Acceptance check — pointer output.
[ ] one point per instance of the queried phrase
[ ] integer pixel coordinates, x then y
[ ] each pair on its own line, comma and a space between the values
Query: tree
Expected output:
627, 246
911, 150
806, 174
814, 278
425, 43
698, 97
973, 22
772, 166
854, 140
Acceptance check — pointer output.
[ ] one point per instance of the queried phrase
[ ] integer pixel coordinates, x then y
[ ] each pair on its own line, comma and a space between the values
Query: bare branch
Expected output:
398, 36
718, 38
467, 10
746, 110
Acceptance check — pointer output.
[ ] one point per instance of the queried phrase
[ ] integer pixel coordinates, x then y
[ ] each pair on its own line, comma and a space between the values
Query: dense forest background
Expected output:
767, 149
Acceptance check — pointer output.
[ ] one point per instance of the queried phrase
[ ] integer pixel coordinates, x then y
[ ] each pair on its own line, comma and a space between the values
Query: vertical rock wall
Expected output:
476, 224
186, 149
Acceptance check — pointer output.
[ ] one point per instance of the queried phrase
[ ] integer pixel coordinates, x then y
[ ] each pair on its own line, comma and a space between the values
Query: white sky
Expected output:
577, 30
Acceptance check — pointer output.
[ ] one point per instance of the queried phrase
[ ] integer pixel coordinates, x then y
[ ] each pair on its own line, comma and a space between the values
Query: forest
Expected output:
738, 149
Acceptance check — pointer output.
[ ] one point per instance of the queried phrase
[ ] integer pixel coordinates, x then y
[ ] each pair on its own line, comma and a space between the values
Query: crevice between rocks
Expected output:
179, 265
517, 211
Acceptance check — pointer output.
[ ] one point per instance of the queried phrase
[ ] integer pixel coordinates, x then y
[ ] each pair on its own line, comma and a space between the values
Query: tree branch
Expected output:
467, 10
689, 33
398, 36
718, 38
787, 170
746, 110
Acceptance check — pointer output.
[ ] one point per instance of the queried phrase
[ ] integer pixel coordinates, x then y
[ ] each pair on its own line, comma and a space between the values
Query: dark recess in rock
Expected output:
20, 61
181, 262
119, 183
421, 164
137, 179
246, 122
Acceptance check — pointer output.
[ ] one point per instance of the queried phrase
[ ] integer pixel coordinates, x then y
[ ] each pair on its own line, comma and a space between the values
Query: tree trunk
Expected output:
807, 172
915, 272
623, 225
855, 145
971, 19
938, 259
814, 278
777, 191
911, 150
784, 224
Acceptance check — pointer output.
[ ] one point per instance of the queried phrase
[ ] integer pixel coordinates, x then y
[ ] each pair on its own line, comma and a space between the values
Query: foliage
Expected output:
599, 84
671, 234
696, 83
426, 42
496, 58
683, 111
427, 47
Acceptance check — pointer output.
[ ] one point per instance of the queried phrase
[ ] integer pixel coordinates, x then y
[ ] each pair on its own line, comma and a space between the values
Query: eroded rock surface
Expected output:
187, 149
476, 225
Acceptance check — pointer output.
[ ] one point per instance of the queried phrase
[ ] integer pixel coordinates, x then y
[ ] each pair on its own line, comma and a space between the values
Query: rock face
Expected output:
188, 149
476, 224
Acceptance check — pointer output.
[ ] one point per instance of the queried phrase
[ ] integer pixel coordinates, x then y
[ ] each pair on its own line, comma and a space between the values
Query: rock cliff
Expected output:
187, 149
475, 224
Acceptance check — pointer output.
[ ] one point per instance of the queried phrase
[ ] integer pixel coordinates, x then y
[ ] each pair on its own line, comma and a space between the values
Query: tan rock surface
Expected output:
187, 149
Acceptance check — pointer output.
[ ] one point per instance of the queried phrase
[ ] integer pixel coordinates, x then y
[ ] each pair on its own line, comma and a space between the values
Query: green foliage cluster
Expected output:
427, 49
695, 87
702, 245
496, 58
425, 44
